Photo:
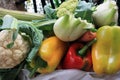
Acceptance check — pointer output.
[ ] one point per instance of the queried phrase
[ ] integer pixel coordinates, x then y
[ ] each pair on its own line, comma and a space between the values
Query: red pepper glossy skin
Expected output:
74, 61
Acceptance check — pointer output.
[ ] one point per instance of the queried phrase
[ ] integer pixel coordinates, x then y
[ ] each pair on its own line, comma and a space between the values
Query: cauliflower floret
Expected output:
10, 57
67, 7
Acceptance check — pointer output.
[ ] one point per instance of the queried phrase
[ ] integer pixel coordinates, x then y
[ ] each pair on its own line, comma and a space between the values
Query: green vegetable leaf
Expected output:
14, 36
10, 23
44, 24
85, 10
10, 45
35, 35
49, 12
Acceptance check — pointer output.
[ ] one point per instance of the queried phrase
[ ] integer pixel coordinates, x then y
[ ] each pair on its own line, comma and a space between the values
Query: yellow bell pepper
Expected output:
51, 50
106, 51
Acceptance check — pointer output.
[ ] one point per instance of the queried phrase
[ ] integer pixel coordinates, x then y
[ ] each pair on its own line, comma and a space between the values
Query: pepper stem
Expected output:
39, 63
82, 51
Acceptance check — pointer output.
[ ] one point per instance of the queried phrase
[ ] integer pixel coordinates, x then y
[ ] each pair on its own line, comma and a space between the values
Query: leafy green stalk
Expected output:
45, 24
21, 15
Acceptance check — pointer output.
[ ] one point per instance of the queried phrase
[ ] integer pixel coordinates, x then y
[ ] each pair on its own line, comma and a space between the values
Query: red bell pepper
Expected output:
77, 57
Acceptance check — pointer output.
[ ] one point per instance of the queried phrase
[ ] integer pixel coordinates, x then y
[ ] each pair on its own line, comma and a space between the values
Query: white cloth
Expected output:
71, 74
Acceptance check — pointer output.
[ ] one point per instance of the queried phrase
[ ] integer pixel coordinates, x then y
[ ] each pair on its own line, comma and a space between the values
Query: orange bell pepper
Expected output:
51, 50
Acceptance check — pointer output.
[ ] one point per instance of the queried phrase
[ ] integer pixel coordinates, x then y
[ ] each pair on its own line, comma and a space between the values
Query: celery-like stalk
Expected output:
21, 15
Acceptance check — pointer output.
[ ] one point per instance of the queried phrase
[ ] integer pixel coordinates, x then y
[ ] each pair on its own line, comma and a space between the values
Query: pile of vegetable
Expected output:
82, 36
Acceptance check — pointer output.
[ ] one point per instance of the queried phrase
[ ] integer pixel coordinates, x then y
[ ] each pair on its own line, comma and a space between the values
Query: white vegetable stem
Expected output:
69, 28
106, 13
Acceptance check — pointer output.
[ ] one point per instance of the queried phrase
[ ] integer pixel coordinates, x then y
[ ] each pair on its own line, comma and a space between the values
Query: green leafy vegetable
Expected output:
85, 10
35, 35
44, 24
50, 12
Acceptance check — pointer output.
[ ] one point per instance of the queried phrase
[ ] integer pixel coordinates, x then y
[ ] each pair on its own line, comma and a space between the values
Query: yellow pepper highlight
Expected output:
106, 51
51, 50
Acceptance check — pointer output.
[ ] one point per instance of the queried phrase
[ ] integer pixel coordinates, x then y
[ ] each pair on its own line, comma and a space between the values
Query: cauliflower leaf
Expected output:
36, 36
9, 22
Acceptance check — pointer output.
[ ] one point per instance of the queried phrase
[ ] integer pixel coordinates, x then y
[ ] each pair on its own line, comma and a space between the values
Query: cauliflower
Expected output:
10, 57
15, 47
67, 7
